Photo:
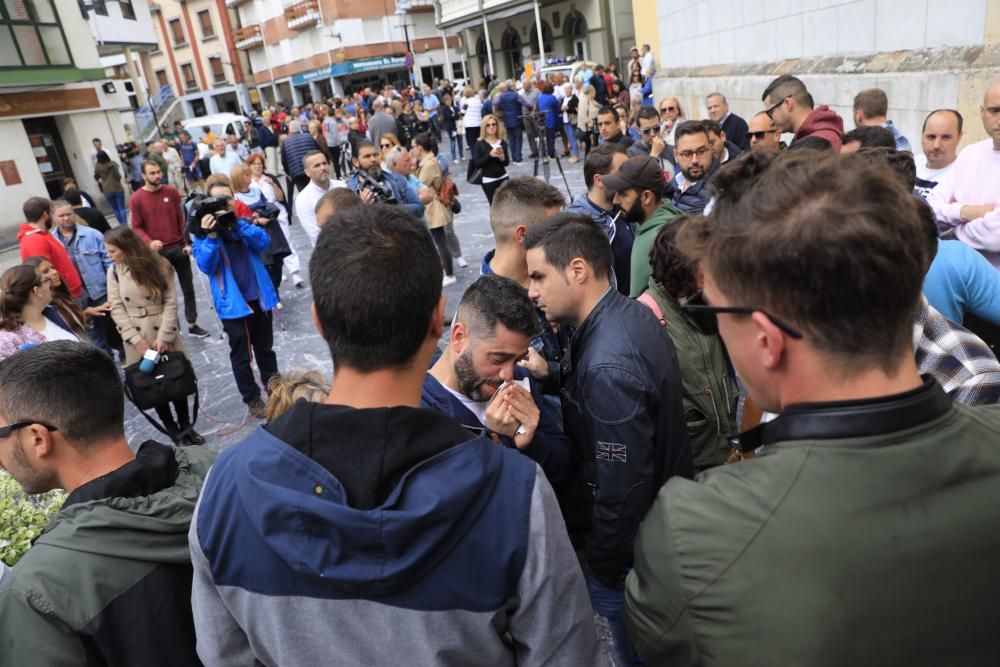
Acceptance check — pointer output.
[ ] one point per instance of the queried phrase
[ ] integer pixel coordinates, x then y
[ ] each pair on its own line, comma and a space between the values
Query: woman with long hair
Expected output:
586, 118
386, 143
671, 115
268, 185
491, 155
64, 309
438, 215
24, 296
109, 177
144, 307
406, 124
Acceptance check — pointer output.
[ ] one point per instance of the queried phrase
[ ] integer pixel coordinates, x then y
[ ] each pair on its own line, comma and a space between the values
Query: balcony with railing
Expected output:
302, 15
248, 37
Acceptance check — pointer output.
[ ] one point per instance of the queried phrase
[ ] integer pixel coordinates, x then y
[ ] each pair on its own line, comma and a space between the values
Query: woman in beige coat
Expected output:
144, 307
439, 216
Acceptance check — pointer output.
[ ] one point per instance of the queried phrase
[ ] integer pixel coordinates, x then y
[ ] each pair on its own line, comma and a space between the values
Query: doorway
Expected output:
50, 155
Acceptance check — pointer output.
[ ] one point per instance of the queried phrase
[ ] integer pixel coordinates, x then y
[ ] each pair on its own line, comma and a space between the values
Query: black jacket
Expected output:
492, 167
736, 131
294, 149
623, 411
694, 200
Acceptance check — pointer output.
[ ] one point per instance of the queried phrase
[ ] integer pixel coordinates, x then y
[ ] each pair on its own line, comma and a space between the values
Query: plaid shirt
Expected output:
962, 364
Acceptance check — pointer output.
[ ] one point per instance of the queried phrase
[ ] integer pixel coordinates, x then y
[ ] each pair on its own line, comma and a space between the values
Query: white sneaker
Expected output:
449, 280
461, 262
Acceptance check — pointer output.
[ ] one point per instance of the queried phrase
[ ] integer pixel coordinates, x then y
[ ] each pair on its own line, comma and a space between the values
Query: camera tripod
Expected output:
542, 154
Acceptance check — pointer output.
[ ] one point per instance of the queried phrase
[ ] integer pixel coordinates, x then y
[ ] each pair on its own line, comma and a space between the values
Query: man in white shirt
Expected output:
317, 168
648, 61
967, 199
223, 160
236, 147
939, 140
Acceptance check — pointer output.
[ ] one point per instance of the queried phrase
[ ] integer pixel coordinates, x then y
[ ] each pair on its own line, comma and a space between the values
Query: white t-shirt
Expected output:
927, 178
305, 207
53, 331
477, 408
223, 164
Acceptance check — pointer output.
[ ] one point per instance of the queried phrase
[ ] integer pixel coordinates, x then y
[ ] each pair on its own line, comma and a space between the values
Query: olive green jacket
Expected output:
863, 533
710, 392
644, 238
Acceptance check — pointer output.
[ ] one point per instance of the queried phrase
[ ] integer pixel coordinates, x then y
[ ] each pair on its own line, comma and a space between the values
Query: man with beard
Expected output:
35, 241
638, 189
317, 168
478, 382
374, 185
696, 164
597, 203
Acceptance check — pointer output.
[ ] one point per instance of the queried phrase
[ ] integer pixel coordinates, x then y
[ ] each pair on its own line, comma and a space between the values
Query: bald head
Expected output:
990, 112
764, 136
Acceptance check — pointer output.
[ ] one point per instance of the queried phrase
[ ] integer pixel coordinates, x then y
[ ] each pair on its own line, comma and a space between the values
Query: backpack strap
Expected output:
650, 303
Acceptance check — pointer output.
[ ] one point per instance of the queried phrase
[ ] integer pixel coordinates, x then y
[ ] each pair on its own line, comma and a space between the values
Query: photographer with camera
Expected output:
227, 250
374, 185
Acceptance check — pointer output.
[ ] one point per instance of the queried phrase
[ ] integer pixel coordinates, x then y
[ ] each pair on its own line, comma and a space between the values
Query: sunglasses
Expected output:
5, 431
770, 111
386, 145
743, 310
666, 109
649, 130
761, 134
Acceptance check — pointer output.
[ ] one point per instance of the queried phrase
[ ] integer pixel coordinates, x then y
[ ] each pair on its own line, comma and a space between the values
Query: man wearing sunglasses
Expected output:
855, 513
651, 140
790, 106
109, 579
763, 134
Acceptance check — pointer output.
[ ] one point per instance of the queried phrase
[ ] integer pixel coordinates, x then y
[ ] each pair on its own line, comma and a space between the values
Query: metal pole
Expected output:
541, 36
489, 47
448, 73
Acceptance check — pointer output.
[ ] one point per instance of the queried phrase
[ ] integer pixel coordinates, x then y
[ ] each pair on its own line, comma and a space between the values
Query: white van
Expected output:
220, 123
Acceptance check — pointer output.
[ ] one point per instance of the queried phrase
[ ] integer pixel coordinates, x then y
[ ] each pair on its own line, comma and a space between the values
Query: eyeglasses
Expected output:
666, 109
701, 152
649, 130
761, 134
771, 110
744, 310
386, 145
5, 431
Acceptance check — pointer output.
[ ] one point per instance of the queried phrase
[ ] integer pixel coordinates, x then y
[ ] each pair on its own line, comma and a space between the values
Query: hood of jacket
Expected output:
27, 229
368, 500
150, 527
582, 204
651, 225
824, 123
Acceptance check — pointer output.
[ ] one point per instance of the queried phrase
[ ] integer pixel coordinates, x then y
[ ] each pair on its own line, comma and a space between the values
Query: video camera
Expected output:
126, 150
382, 191
197, 206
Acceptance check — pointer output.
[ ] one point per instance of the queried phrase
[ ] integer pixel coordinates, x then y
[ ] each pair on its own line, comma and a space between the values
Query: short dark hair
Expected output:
493, 300
870, 136
901, 163
811, 143
598, 161
711, 127
309, 155
427, 142
149, 163
645, 113
521, 200
341, 199
375, 316
787, 85
923, 128
929, 221
73, 196
690, 127
603, 111
672, 269
363, 143
822, 215
567, 236
35, 207
70, 385
872, 103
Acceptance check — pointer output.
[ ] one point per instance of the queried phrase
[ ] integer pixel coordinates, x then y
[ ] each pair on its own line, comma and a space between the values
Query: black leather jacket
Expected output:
623, 412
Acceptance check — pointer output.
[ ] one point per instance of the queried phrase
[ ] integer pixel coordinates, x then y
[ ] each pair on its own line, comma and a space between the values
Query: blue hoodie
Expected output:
211, 257
383, 536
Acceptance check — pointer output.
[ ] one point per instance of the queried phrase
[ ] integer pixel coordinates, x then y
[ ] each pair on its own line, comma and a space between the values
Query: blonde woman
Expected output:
471, 112
671, 115
586, 116
491, 155
386, 143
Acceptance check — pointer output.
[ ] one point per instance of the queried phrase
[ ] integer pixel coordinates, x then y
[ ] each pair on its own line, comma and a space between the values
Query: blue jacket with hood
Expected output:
380, 537
210, 254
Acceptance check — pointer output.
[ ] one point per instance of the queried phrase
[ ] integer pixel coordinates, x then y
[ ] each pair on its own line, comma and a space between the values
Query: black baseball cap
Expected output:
643, 172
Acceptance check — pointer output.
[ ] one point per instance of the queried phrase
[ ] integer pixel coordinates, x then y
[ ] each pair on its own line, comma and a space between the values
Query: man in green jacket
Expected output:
864, 531
639, 187
108, 582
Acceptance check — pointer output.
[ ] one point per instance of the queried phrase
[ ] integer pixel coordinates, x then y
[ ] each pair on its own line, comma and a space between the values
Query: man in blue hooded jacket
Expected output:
243, 294
365, 530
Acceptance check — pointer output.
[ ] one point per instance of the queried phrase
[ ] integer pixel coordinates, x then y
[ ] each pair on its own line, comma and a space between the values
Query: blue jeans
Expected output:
515, 138
607, 602
117, 201
456, 144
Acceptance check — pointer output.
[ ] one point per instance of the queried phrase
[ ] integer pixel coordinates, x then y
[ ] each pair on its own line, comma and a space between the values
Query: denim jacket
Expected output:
86, 249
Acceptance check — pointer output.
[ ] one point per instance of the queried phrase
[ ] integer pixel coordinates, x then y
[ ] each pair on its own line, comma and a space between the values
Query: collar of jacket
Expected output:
591, 322
850, 419
153, 469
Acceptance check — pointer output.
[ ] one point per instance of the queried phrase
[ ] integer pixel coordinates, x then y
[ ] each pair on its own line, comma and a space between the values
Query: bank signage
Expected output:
350, 67
49, 102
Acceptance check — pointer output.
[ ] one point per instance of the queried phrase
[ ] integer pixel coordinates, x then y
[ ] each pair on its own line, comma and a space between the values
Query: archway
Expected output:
546, 37
484, 58
510, 44
575, 36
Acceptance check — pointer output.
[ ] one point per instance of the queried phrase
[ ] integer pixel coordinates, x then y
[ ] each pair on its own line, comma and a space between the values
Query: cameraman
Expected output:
374, 185
227, 250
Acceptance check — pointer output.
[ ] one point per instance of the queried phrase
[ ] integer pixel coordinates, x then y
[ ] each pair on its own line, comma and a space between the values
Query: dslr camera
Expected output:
199, 205
382, 191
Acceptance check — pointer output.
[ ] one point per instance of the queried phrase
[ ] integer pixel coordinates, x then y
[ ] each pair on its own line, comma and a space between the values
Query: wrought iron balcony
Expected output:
248, 37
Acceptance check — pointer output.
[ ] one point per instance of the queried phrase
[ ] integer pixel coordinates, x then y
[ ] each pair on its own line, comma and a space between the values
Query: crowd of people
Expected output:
723, 400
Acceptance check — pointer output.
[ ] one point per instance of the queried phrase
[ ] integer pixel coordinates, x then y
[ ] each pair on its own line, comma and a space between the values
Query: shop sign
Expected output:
48, 102
350, 67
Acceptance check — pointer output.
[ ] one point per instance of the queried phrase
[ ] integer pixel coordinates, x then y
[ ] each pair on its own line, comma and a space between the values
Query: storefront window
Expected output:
31, 35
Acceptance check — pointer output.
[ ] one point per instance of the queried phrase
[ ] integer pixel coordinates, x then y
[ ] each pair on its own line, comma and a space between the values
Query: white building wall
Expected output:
115, 28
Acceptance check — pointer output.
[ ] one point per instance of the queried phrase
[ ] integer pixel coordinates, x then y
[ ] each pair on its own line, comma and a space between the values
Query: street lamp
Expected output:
401, 11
